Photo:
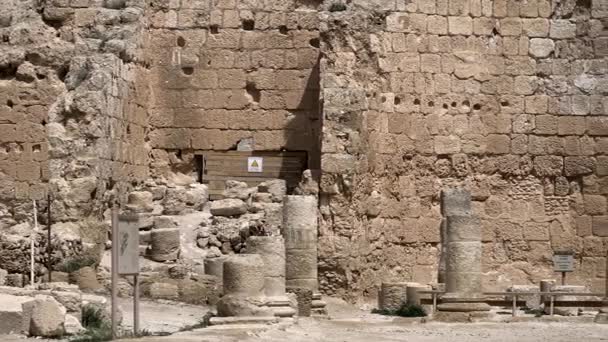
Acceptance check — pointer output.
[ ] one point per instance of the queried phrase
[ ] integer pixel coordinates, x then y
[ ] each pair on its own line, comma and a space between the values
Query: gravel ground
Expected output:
349, 324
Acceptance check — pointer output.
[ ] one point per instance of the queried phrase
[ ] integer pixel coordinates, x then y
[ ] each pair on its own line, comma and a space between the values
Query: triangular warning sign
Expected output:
254, 164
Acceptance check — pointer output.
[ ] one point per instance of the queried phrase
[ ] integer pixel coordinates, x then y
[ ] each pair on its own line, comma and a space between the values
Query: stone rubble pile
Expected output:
48, 310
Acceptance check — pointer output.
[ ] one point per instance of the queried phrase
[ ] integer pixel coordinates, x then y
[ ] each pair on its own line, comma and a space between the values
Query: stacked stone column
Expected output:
272, 251
463, 256
300, 233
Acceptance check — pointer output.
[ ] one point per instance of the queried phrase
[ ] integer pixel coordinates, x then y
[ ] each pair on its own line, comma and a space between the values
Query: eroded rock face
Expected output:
47, 317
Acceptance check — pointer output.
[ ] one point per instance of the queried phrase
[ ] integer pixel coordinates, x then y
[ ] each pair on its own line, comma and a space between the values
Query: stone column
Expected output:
392, 296
463, 255
243, 278
602, 316
272, 251
300, 233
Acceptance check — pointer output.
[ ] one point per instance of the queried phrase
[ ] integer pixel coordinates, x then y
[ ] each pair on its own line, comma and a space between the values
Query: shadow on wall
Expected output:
307, 112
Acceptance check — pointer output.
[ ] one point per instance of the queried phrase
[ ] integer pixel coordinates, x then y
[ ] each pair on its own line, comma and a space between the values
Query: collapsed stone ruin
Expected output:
390, 103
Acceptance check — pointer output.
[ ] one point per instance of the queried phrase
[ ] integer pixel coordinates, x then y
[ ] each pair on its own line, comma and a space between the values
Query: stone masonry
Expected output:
505, 98
393, 101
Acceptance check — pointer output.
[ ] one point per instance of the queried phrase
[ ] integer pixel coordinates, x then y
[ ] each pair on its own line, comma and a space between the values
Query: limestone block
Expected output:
215, 267
600, 226
548, 165
460, 25
242, 306
455, 201
536, 28
532, 301
165, 222
15, 314
47, 316
72, 325
86, 279
392, 295
244, 275
228, 207
70, 300
164, 291
541, 47
575, 166
277, 188
164, 244
595, 204
568, 311
140, 201
239, 190
562, 29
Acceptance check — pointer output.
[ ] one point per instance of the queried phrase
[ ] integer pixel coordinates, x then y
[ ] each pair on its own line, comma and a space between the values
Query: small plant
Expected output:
406, 310
74, 264
535, 312
93, 317
337, 7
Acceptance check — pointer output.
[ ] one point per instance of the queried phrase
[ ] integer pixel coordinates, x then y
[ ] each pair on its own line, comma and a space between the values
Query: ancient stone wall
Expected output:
73, 91
505, 97
224, 72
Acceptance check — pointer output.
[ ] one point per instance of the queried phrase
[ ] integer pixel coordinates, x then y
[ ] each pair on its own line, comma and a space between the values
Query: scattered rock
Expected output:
228, 207
47, 316
72, 325
15, 314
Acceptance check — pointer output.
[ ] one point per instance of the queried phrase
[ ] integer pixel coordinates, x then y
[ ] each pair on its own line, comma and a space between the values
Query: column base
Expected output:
243, 320
318, 305
462, 309
281, 306
602, 316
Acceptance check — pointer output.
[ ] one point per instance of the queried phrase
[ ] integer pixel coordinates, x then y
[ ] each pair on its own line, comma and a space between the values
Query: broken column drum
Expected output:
300, 233
243, 279
164, 244
243, 275
272, 251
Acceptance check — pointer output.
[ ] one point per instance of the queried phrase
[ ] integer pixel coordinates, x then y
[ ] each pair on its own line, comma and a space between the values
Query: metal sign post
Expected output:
563, 261
125, 261
114, 270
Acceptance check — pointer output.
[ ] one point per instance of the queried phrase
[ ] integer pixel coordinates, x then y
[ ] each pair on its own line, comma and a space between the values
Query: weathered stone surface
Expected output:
244, 275
86, 279
47, 316
15, 314
164, 244
164, 291
238, 305
228, 207
72, 325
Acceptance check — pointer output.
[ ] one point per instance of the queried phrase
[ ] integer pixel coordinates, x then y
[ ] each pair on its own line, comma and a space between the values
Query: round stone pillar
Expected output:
463, 298
272, 251
463, 262
300, 233
392, 296
244, 275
